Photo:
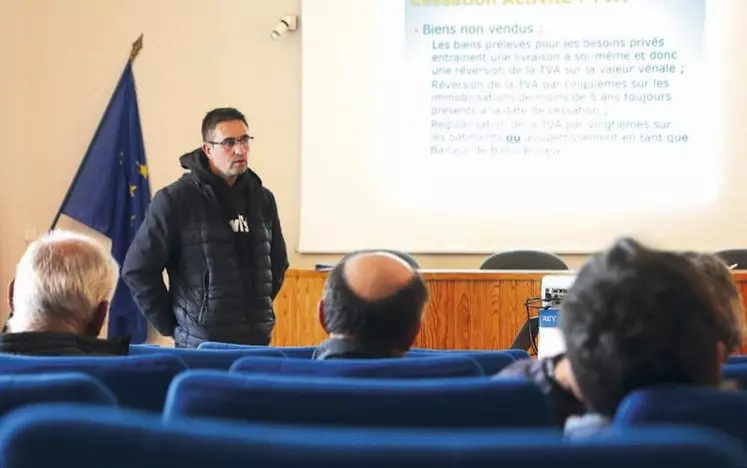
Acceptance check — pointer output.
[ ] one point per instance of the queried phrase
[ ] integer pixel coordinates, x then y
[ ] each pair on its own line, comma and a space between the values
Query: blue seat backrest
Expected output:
432, 367
87, 437
737, 359
137, 381
22, 390
736, 372
718, 409
428, 402
491, 362
209, 358
296, 352
516, 353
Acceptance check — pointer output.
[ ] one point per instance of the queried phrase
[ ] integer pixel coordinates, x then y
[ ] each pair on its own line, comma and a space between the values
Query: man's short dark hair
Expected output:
388, 323
727, 294
638, 317
216, 116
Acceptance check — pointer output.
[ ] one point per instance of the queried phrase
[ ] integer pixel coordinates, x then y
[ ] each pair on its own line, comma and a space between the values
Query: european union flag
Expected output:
110, 193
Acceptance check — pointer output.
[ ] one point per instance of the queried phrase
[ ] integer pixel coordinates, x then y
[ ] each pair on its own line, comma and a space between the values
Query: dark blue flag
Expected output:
111, 192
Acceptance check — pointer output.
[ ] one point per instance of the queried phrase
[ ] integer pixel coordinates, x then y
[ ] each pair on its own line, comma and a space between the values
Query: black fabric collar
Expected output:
339, 348
61, 344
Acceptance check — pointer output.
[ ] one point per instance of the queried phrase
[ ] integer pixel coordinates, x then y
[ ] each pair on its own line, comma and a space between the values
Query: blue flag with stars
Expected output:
111, 192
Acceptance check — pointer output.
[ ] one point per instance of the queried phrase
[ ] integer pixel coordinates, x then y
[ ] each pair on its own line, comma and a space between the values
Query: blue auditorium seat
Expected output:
432, 367
22, 390
737, 359
736, 372
86, 437
491, 362
296, 352
518, 354
208, 358
293, 399
137, 381
718, 409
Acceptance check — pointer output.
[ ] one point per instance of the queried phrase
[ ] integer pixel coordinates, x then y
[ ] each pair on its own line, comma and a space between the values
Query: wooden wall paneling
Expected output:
741, 279
483, 326
436, 327
467, 309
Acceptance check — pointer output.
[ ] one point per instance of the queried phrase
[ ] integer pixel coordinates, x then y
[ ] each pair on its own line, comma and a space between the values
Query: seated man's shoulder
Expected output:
528, 368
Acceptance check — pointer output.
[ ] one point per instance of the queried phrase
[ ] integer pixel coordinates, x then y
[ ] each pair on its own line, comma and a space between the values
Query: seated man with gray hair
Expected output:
60, 297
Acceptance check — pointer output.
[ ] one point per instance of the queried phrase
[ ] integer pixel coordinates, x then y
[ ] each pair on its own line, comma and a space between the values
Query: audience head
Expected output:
727, 294
638, 317
64, 282
376, 298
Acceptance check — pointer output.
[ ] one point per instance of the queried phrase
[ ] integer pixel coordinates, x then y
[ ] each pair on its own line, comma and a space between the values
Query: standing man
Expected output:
217, 233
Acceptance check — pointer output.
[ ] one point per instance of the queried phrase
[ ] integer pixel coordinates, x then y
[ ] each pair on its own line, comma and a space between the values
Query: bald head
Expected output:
373, 276
375, 297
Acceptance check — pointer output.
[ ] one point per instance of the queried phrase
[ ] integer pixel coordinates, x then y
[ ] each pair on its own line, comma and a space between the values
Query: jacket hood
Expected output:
197, 163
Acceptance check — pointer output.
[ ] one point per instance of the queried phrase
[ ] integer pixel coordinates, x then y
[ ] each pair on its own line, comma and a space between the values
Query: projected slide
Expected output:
508, 78
505, 91
596, 117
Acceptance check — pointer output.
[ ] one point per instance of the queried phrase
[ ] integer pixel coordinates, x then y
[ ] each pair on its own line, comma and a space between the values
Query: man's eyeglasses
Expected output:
229, 143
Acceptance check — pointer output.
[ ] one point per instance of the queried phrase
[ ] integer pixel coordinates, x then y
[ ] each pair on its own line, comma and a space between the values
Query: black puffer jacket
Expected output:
224, 252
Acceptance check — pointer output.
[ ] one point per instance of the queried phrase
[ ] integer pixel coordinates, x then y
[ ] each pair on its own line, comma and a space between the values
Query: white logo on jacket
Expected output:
239, 224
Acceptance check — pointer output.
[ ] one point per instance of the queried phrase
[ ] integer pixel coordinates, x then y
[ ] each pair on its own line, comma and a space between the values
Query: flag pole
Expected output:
134, 51
136, 47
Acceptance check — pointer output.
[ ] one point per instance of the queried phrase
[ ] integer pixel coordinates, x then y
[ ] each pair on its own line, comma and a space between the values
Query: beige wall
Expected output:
12, 133
65, 56
61, 60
